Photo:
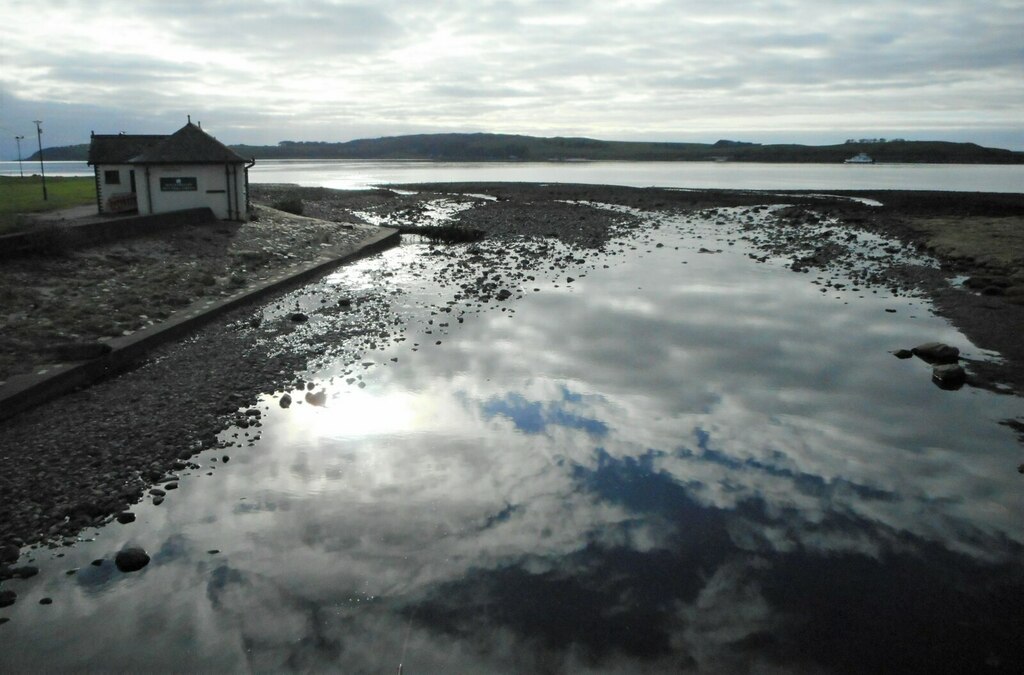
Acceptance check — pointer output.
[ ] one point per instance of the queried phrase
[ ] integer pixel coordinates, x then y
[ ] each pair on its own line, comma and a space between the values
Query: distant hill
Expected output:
64, 153
506, 147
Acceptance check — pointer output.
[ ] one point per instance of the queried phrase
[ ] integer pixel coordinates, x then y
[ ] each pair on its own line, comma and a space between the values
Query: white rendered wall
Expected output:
212, 189
106, 190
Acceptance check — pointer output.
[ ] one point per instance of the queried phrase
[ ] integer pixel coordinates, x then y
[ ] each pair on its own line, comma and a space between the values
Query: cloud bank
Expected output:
261, 71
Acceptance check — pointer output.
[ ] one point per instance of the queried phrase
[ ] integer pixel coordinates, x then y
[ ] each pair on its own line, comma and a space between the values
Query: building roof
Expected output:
119, 148
188, 145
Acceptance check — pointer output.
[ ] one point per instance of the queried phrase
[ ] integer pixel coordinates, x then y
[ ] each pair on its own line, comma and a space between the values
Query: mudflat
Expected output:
79, 460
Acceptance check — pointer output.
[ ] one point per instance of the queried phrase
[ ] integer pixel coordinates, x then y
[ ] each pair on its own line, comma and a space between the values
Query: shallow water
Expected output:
677, 460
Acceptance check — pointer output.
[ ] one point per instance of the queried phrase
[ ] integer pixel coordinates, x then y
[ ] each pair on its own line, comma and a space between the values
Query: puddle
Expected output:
654, 459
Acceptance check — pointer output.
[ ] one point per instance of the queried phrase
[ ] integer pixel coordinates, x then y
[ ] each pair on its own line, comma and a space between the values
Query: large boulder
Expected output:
131, 559
937, 352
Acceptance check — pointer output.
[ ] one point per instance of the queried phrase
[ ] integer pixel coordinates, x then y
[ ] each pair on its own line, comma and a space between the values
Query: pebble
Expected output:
126, 517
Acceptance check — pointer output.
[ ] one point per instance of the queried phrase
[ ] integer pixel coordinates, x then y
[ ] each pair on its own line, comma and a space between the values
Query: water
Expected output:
52, 169
678, 460
359, 174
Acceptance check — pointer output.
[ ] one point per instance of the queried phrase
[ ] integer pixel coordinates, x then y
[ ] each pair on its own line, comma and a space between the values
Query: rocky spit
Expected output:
84, 459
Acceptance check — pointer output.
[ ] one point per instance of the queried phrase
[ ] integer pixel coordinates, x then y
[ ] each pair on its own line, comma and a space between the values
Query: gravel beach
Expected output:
78, 461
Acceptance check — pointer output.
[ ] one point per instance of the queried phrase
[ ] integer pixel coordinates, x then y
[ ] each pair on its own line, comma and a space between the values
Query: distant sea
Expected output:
360, 174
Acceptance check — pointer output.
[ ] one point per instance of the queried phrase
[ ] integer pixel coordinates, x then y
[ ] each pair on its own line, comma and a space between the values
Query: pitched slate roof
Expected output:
188, 145
119, 148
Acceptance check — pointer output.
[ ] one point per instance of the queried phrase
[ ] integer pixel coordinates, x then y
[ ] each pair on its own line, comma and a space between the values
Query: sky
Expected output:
263, 71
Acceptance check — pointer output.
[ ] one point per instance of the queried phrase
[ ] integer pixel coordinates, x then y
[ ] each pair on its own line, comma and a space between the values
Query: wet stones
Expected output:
7, 598
936, 352
24, 572
126, 517
949, 376
9, 553
131, 559
298, 317
286, 401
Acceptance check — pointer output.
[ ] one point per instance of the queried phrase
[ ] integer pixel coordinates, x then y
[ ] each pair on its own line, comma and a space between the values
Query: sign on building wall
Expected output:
179, 184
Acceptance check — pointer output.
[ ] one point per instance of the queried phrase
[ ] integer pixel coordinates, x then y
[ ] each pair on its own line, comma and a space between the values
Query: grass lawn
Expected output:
25, 195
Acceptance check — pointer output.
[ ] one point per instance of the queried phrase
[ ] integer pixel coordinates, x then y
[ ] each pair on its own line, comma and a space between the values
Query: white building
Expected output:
157, 174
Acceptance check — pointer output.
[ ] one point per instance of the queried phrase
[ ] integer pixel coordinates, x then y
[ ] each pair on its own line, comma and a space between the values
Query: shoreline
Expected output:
97, 451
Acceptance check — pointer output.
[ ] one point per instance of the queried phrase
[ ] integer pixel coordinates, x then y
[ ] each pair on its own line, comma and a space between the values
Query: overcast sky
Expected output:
262, 71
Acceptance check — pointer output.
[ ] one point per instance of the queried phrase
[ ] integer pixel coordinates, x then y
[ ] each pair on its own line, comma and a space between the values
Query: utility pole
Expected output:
18, 140
42, 171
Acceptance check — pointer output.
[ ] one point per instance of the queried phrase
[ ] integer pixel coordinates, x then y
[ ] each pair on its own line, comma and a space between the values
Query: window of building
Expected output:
179, 184
112, 177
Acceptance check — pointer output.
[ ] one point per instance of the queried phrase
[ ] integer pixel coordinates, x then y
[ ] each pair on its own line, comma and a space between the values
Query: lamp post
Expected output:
18, 140
42, 172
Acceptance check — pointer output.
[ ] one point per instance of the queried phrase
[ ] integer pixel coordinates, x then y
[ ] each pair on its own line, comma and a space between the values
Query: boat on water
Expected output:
860, 158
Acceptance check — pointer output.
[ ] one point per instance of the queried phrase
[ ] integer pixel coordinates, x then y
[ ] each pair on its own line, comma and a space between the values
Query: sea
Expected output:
362, 174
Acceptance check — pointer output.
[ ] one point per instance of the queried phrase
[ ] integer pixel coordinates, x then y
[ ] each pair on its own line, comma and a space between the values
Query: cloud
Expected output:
321, 70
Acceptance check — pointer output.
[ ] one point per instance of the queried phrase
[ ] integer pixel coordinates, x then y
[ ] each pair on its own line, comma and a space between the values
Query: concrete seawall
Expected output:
49, 234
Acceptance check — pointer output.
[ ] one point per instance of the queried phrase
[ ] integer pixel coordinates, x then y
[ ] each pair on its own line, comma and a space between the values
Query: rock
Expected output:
7, 598
97, 562
936, 352
903, 353
25, 572
298, 317
9, 554
171, 486
949, 375
504, 294
46, 601
157, 492
317, 399
157, 501
80, 351
286, 400
126, 517
131, 559
1020, 468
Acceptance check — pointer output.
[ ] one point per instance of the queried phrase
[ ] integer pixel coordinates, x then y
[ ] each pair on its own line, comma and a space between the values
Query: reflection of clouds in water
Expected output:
616, 474
533, 417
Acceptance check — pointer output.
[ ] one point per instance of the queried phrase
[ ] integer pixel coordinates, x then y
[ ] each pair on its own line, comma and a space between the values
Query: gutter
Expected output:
248, 204
227, 188
149, 195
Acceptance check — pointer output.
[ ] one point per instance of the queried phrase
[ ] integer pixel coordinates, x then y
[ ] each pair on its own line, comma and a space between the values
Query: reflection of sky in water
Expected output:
660, 466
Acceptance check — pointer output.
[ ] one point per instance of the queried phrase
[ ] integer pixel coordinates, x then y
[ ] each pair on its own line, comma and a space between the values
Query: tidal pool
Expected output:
676, 461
